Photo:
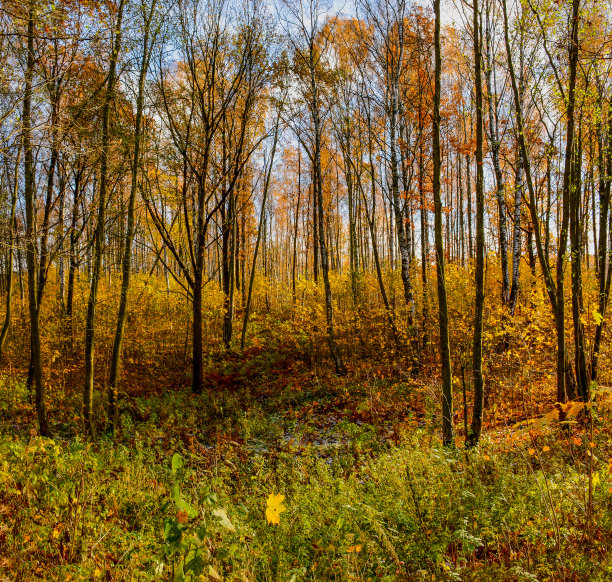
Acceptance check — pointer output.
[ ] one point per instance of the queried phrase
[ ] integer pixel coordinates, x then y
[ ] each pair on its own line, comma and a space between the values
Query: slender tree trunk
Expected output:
447, 383
126, 262
554, 290
495, 146
88, 390
460, 210
372, 228
197, 381
477, 413
262, 214
548, 203
468, 171
424, 244
20, 271
345, 140
569, 186
576, 247
29, 194
229, 315
295, 230
315, 230
74, 237
604, 267
227, 252
60, 228
402, 239
11, 256
329, 314
518, 200
516, 237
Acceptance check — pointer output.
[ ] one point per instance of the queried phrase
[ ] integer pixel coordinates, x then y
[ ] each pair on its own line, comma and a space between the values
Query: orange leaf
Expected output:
182, 517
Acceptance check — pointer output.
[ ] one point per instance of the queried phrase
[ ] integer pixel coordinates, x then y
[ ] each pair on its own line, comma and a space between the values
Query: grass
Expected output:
181, 494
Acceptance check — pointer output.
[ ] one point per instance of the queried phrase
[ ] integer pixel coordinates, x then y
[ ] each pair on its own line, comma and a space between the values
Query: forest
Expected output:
305, 290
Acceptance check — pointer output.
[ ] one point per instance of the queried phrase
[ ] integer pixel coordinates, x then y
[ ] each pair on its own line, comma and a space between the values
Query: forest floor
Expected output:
187, 487
369, 494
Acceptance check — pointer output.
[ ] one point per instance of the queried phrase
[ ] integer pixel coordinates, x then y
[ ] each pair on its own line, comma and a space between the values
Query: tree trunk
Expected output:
295, 230
29, 177
262, 213
447, 383
424, 245
126, 263
468, 171
495, 146
555, 291
329, 317
398, 214
11, 256
88, 390
477, 412
604, 267
517, 235
582, 382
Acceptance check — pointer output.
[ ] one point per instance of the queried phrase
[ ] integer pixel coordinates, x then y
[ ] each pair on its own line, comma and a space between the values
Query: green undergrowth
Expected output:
167, 500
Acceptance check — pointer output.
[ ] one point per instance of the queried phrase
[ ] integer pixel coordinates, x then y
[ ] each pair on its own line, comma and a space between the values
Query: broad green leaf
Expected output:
177, 463
182, 505
172, 532
194, 563
225, 521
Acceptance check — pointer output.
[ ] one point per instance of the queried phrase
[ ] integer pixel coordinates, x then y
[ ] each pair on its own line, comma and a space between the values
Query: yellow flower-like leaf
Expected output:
274, 508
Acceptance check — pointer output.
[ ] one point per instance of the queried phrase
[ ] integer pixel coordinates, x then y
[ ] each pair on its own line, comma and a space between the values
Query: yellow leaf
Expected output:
486, 457
574, 409
354, 549
274, 508
577, 441
598, 317
547, 418
532, 451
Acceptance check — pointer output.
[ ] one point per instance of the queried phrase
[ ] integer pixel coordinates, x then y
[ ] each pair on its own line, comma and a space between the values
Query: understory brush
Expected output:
145, 508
